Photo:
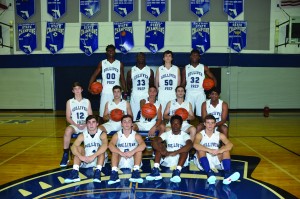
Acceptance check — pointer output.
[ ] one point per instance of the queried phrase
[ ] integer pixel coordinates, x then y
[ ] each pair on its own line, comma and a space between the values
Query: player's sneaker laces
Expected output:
65, 160
114, 177
234, 177
73, 177
211, 177
154, 175
176, 176
97, 176
136, 177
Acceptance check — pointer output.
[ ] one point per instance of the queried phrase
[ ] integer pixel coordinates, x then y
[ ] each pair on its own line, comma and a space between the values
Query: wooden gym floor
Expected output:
31, 144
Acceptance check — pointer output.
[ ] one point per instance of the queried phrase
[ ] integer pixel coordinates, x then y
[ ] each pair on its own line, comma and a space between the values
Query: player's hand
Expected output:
151, 133
81, 126
129, 154
89, 159
214, 151
125, 95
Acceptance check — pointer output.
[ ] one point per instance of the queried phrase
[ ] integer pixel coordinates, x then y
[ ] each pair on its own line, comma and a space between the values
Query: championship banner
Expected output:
27, 37
237, 35
156, 7
233, 7
122, 7
200, 7
155, 35
201, 36
123, 36
89, 7
56, 8
89, 38
55, 35
25, 9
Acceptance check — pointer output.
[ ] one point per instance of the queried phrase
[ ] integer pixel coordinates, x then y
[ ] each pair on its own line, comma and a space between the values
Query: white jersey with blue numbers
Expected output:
175, 142
126, 143
121, 105
92, 143
175, 105
215, 111
79, 110
168, 79
110, 75
157, 105
211, 142
140, 80
194, 78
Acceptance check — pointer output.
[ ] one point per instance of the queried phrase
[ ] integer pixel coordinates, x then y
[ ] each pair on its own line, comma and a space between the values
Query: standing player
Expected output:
216, 107
154, 124
192, 78
119, 103
177, 103
178, 144
77, 109
112, 72
167, 78
94, 151
209, 152
126, 147
139, 78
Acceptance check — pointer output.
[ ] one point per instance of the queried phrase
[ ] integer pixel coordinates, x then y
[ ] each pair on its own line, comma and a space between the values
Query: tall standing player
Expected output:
77, 110
112, 72
139, 78
167, 78
192, 79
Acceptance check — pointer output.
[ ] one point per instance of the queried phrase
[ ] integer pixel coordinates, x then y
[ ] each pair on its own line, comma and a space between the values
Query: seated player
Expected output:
179, 102
176, 153
92, 154
216, 107
119, 103
126, 147
210, 155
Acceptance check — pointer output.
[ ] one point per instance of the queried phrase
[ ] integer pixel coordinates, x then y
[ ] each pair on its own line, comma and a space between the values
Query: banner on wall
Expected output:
200, 36
89, 38
155, 35
55, 35
123, 32
25, 9
89, 7
233, 8
27, 37
156, 7
56, 8
122, 7
237, 35
200, 7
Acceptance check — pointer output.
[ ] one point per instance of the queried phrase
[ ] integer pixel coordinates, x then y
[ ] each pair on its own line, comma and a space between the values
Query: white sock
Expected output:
136, 167
99, 167
76, 167
114, 168
179, 168
156, 165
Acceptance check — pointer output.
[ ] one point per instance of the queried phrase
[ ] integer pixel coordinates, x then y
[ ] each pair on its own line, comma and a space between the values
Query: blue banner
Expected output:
200, 7
55, 35
233, 7
27, 37
201, 36
237, 35
89, 38
156, 7
56, 8
122, 7
25, 9
123, 36
155, 35
89, 7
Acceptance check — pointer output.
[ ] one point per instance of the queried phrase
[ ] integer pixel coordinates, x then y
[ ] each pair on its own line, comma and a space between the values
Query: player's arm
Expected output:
75, 147
185, 149
129, 81
68, 114
94, 76
157, 143
90, 111
122, 77
140, 141
224, 114
142, 102
158, 122
210, 74
203, 111
128, 108
106, 116
183, 78
103, 147
151, 79
191, 112
157, 78
199, 147
167, 115
112, 145
227, 144
179, 77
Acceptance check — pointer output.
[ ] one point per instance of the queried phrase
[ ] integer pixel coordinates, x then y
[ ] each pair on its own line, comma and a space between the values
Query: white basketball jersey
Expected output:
168, 79
121, 105
175, 105
110, 75
175, 142
140, 79
215, 111
126, 143
91, 144
156, 104
210, 142
79, 110
194, 77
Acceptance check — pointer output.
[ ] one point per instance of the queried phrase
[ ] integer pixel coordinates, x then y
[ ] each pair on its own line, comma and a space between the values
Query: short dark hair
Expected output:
209, 117
152, 86
76, 84
140, 53
117, 87
214, 89
195, 51
179, 87
110, 46
127, 116
96, 117
176, 117
168, 52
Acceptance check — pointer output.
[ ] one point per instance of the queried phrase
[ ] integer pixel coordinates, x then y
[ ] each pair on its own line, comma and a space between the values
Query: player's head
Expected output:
76, 84
168, 56
77, 88
126, 122
141, 58
90, 117
176, 123
210, 122
127, 116
180, 91
214, 93
110, 51
152, 91
209, 117
117, 91
195, 56
110, 46
195, 51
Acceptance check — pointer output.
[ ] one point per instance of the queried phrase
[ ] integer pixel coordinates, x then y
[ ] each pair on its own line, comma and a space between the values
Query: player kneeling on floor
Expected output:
176, 153
94, 152
211, 155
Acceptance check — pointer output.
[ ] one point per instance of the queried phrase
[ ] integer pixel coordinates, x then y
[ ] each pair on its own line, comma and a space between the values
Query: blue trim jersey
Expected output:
143, 119
215, 111
140, 80
79, 110
168, 79
211, 142
121, 105
110, 75
194, 78
175, 142
126, 143
92, 144
175, 105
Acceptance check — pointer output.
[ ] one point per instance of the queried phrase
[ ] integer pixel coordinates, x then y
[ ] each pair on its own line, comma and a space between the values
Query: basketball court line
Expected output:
10, 140
270, 161
282, 146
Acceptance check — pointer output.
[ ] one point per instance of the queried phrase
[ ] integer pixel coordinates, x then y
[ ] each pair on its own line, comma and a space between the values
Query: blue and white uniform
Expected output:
79, 112
146, 124
215, 111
